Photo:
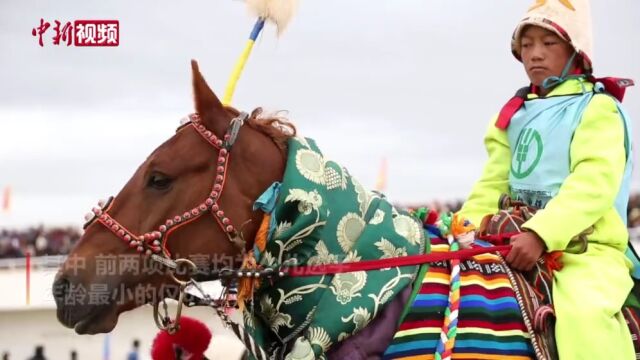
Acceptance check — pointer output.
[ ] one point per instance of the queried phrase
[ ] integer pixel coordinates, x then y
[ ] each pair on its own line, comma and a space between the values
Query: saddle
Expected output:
534, 288
499, 228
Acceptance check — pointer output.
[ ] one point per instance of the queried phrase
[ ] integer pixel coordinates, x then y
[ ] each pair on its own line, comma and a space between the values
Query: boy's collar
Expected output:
568, 87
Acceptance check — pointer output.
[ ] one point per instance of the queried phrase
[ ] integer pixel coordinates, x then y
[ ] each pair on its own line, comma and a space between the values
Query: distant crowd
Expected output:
633, 210
42, 240
39, 353
37, 241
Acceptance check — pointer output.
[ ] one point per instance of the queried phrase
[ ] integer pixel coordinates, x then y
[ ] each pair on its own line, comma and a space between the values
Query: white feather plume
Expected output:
279, 12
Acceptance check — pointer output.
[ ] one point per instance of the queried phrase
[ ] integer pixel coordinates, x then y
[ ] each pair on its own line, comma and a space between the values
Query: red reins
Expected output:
411, 260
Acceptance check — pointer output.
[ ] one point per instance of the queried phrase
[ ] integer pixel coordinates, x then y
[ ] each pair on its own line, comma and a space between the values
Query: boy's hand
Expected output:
526, 248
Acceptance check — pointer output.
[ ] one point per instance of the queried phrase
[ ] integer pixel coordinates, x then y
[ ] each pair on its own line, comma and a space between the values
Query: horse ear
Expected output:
207, 103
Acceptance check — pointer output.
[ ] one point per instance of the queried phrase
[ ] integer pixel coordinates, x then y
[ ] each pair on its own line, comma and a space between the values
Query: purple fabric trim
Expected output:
372, 341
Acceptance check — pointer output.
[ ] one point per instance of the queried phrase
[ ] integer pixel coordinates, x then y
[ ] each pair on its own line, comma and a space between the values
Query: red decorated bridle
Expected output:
155, 242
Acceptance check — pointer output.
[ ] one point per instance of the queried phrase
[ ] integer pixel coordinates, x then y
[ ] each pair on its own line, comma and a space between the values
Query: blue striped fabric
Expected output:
487, 302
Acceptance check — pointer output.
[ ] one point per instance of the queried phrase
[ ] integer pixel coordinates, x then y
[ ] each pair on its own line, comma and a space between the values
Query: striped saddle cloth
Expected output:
489, 321
502, 314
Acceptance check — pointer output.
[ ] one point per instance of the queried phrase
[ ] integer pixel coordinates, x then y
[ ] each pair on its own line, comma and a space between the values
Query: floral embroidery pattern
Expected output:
274, 318
318, 336
324, 216
347, 286
349, 229
323, 256
408, 228
360, 317
311, 166
389, 250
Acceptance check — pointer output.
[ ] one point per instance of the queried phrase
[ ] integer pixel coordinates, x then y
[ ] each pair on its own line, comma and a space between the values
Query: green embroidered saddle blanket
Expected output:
322, 215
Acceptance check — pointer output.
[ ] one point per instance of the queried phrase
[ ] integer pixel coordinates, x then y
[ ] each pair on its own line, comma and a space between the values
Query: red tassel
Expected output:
193, 338
553, 261
431, 217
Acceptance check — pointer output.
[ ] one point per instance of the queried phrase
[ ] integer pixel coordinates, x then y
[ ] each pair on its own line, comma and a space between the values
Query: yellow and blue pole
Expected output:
237, 70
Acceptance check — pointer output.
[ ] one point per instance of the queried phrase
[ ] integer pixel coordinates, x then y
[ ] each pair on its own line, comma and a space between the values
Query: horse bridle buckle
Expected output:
165, 322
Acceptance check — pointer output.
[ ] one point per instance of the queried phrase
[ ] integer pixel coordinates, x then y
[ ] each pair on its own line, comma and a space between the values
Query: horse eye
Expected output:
159, 181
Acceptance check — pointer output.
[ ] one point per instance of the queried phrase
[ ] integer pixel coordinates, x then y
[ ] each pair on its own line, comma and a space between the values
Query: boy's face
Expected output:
543, 54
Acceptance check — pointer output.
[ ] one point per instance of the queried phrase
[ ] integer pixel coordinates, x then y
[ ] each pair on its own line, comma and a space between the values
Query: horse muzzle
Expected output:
82, 311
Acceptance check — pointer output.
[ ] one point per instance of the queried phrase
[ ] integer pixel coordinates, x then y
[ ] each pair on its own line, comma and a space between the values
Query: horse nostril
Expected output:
60, 289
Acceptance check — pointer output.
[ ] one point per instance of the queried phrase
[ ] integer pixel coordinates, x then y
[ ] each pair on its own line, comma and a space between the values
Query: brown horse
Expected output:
176, 178
193, 196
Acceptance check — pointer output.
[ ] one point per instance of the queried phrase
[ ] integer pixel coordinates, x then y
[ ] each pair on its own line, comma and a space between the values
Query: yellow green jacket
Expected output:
586, 197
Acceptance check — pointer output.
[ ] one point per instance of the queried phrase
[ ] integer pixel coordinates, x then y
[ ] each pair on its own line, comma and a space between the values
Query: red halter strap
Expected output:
154, 242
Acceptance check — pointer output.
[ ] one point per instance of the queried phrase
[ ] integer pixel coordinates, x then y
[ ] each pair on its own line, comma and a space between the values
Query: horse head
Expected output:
192, 196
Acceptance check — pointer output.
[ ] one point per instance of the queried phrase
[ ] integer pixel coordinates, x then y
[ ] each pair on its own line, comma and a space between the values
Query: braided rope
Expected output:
452, 226
444, 350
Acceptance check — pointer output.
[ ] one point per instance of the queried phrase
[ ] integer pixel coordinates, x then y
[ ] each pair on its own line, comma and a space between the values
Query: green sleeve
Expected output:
494, 180
598, 160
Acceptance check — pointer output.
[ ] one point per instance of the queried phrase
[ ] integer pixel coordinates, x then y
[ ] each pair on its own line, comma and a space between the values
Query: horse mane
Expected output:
275, 125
